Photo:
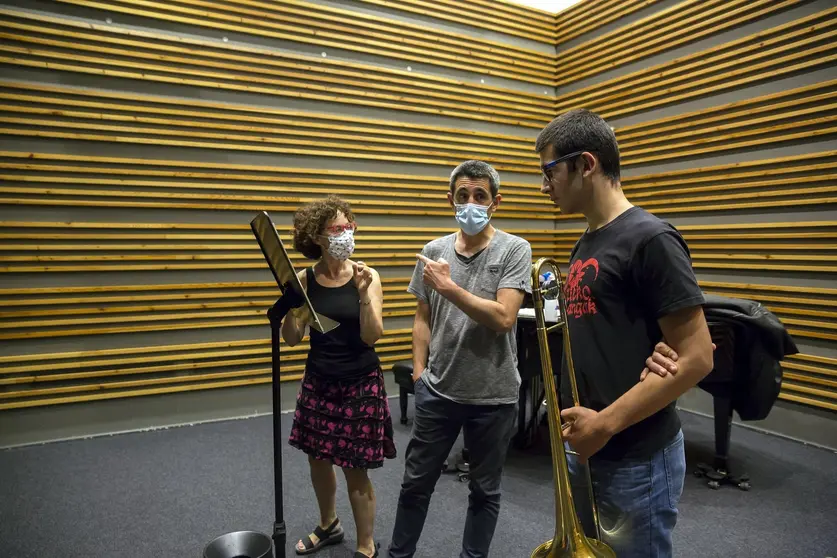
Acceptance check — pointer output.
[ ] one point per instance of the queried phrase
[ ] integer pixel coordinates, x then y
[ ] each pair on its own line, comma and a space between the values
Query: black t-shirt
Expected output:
622, 278
340, 353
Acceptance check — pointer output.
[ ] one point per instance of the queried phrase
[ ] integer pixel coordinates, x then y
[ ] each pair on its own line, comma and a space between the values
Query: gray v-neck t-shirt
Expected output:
468, 362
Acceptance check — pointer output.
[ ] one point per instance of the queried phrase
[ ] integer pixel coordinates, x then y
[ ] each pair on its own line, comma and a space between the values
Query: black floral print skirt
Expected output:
347, 422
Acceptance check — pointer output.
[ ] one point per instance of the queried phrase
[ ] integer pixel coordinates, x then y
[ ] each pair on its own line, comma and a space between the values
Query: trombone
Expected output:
569, 539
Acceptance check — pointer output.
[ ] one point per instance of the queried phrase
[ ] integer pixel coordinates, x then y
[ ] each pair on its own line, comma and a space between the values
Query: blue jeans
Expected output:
637, 500
436, 425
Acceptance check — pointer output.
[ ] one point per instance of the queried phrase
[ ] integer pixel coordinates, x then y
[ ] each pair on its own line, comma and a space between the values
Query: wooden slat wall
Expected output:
134, 155
97, 247
62, 43
681, 24
327, 27
810, 380
87, 376
784, 50
43, 179
520, 21
159, 121
77, 247
89, 247
588, 16
761, 184
743, 166
804, 113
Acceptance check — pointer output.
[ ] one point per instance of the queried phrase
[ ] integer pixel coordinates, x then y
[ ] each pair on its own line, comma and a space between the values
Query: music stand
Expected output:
285, 274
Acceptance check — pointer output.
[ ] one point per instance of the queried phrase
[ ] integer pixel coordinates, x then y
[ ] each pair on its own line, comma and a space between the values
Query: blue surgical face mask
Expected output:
472, 218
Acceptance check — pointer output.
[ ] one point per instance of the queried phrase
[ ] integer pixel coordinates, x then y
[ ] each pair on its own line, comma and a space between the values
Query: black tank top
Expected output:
340, 353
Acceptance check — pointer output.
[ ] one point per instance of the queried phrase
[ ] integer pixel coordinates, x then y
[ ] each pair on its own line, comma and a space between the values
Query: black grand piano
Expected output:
750, 343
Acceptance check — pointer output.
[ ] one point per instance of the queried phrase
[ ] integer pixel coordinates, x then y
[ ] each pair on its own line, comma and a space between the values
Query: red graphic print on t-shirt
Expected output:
580, 301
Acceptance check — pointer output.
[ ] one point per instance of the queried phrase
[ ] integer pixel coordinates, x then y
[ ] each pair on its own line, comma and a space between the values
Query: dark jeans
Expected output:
437, 422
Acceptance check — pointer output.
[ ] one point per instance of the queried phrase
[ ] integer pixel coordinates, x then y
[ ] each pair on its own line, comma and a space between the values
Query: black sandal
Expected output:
333, 535
359, 554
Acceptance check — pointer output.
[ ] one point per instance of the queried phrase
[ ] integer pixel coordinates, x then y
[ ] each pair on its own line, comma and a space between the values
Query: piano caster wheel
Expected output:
704, 470
719, 477
716, 476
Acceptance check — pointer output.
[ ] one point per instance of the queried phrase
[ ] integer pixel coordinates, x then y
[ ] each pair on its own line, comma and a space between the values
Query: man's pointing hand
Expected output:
436, 274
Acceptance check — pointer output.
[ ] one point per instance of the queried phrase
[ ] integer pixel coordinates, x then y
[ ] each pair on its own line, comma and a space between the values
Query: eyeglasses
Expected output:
339, 229
545, 169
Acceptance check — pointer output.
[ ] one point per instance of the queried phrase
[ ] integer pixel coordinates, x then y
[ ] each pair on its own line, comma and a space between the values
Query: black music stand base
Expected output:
279, 533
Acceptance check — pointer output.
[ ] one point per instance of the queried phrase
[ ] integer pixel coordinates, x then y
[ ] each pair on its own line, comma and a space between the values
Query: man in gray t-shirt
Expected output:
470, 362
469, 287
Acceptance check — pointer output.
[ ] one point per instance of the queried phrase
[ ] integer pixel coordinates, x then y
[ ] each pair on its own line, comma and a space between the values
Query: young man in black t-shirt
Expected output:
630, 284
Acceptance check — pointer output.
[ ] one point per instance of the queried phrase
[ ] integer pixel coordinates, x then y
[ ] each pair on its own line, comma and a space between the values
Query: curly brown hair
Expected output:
310, 220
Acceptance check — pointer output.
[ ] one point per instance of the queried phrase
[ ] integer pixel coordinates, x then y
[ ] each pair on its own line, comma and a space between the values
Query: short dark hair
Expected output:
310, 219
476, 169
582, 130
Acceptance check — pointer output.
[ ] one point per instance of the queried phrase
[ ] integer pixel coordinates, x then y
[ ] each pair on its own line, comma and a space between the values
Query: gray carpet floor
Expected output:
167, 493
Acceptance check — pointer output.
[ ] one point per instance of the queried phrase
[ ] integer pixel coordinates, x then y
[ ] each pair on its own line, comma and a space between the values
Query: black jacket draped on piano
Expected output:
751, 342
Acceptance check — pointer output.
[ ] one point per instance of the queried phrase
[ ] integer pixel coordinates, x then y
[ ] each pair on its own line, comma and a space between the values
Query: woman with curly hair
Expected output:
342, 414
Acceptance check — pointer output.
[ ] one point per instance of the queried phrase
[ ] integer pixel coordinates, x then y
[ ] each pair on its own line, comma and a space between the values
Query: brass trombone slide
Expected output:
569, 539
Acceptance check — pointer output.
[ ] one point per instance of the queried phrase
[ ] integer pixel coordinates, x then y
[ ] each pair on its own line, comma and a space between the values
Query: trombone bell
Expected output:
592, 548
569, 539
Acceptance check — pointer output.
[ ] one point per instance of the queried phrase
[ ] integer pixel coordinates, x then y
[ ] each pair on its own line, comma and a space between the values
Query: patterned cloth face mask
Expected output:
341, 246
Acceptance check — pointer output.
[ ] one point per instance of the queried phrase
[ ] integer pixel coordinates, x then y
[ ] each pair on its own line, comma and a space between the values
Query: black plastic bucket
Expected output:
240, 544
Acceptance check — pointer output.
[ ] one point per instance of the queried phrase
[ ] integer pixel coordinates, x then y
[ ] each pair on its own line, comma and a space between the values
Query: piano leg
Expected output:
402, 401
723, 428
536, 406
522, 402
720, 474
529, 404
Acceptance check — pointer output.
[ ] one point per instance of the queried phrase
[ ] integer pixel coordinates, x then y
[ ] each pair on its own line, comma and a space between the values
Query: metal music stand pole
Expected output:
283, 271
279, 533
